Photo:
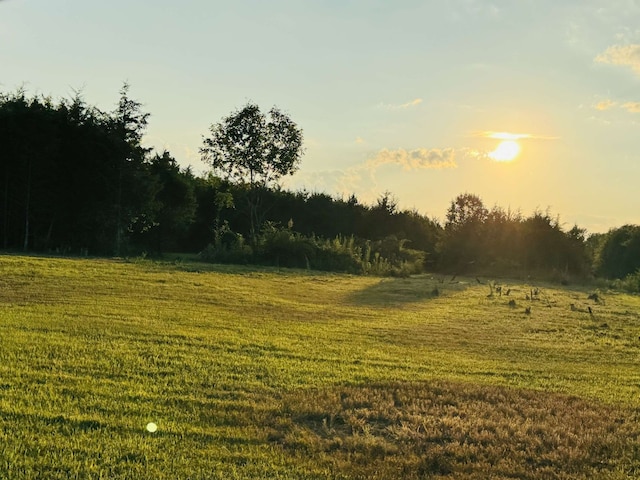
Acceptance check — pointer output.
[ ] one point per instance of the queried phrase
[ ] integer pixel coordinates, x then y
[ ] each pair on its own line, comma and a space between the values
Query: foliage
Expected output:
283, 247
618, 254
465, 209
75, 179
173, 205
325, 221
227, 247
126, 126
630, 283
476, 239
253, 149
249, 147
461, 243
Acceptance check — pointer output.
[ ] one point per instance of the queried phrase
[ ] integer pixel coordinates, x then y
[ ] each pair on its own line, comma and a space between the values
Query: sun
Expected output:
505, 151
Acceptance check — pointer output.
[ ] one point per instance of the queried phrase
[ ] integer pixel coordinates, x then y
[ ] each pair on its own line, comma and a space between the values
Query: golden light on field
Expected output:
505, 151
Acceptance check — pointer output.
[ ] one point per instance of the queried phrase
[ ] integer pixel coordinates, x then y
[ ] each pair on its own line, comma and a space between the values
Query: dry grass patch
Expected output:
457, 430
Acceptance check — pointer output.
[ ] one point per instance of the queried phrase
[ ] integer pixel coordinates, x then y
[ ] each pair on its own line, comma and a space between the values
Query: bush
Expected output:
283, 247
240, 255
630, 283
619, 253
227, 247
339, 255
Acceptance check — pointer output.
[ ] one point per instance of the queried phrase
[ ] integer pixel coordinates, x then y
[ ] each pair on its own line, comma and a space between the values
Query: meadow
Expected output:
253, 372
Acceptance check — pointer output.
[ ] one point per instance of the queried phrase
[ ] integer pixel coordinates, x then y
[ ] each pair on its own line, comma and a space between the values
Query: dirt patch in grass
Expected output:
455, 430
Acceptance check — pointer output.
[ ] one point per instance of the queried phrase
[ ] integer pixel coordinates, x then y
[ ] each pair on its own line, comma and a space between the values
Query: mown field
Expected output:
260, 373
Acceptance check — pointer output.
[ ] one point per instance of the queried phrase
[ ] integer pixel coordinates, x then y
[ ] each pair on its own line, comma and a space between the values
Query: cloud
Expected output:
599, 120
357, 180
626, 55
574, 34
417, 159
506, 135
359, 140
362, 178
512, 136
604, 105
412, 103
632, 107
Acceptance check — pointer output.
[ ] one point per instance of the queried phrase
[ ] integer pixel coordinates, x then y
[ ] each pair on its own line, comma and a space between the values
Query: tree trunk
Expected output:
26, 211
119, 212
254, 216
5, 215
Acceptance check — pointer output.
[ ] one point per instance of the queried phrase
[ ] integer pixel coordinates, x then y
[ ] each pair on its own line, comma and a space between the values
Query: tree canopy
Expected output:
254, 148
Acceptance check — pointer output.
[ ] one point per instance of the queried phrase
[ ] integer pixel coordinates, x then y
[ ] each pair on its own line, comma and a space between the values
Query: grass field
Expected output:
260, 373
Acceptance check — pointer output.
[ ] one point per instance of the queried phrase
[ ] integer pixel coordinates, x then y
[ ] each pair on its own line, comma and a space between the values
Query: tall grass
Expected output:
283, 247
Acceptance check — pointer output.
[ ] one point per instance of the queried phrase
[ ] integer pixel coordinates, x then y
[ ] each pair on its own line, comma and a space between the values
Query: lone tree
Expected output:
461, 243
465, 209
253, 150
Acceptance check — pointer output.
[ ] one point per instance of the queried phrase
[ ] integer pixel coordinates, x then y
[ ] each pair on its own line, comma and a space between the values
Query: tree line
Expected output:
76, 180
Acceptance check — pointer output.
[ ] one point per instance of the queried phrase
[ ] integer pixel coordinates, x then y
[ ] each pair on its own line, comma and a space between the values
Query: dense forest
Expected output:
77, 180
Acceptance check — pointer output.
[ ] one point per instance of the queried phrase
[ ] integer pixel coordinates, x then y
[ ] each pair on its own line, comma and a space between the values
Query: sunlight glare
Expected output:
505, 151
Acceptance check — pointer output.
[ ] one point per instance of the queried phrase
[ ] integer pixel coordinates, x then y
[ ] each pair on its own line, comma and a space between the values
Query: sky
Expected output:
530, 104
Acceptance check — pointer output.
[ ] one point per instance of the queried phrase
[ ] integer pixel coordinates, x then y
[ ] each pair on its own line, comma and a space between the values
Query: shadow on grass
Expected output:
394, 292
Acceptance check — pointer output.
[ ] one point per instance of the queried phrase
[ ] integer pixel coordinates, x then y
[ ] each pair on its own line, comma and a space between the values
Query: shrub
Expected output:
227, 247
283, 247
630, 283
339, 255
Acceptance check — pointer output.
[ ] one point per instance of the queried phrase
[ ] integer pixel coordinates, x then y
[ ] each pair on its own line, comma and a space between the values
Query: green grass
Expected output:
260, 373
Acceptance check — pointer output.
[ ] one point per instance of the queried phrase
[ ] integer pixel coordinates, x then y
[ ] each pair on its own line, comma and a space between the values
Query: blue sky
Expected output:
394, 96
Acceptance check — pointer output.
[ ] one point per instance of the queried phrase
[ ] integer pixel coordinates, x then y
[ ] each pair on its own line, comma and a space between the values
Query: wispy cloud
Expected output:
359, 140
574, 34
596, 119
633, 107
361, 179
413, 103
417, 159
513, 136
390, 106
604, 105
625, 55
